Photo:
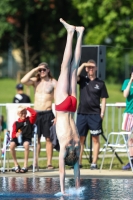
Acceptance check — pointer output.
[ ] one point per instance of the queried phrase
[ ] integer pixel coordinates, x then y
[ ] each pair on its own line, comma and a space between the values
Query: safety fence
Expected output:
112, 120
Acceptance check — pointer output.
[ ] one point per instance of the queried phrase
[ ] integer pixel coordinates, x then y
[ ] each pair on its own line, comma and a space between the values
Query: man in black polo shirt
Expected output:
90, 114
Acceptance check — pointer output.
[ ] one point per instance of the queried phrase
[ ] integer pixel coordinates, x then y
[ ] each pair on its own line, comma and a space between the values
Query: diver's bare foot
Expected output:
80, 29
67, 26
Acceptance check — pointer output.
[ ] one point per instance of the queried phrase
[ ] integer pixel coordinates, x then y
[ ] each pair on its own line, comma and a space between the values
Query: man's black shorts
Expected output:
44, 121
92, 122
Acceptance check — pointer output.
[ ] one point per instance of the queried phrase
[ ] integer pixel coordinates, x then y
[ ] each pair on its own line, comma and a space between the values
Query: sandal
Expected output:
23, 170
50, 167
17, 169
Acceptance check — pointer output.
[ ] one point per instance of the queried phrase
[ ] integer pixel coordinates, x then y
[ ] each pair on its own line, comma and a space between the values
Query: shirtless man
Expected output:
44, 85
66, 102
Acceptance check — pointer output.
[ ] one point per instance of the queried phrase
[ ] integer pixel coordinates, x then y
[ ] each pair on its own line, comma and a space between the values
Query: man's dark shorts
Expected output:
92, 122
23, 140
44, 121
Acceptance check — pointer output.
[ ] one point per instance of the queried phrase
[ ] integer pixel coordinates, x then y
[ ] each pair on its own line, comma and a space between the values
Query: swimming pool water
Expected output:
38, 188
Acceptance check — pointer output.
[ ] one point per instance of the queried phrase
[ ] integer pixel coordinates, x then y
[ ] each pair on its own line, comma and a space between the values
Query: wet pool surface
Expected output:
38, 188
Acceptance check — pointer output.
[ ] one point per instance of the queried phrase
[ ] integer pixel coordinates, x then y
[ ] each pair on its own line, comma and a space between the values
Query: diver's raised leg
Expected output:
62, 89
76, 61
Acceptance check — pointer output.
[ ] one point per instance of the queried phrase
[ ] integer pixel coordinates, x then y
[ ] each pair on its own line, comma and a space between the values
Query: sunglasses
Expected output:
90, 67
42, 70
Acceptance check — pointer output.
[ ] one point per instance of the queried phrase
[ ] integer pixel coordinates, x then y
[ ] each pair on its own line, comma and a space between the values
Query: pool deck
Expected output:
85, 173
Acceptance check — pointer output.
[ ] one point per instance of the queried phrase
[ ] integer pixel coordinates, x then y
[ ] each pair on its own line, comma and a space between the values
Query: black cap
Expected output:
19, 86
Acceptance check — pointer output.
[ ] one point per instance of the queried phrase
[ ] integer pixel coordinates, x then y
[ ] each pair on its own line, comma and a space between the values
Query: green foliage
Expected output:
34, 28
110, 23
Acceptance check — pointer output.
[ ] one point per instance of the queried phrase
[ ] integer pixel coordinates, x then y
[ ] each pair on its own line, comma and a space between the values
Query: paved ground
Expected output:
85, 173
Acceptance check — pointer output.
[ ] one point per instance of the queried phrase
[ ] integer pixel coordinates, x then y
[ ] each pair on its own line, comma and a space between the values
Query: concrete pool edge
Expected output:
85, 173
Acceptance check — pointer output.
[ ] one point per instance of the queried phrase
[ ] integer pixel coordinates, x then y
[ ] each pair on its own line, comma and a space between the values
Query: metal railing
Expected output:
112, 120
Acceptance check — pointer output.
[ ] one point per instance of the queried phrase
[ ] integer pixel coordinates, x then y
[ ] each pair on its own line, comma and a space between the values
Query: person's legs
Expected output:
62, 87
96, 146
82, 129
38, 151
44, 123
75, 62
95, 126
130, 145
39, 134
49, 151
26, 154
13, 153
126, 126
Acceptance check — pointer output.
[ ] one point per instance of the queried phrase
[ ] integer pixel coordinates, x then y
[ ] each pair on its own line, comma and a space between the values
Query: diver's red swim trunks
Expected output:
69, 104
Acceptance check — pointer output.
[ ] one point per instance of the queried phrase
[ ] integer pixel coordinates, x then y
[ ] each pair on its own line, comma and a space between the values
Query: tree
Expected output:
33, 26
110, 23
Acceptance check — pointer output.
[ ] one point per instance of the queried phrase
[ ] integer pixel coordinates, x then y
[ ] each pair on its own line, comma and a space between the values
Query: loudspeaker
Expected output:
98, 54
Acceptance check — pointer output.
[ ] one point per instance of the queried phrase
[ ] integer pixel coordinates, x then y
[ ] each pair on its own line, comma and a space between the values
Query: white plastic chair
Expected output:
119, 144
